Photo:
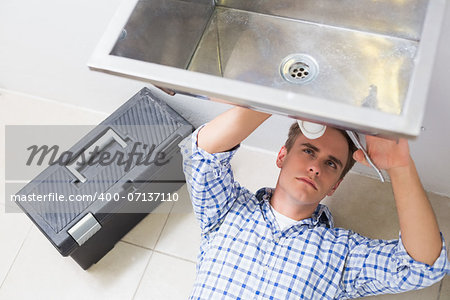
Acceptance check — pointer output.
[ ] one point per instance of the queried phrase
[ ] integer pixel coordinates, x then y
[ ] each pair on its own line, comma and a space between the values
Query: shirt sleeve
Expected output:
210, 182
375, 267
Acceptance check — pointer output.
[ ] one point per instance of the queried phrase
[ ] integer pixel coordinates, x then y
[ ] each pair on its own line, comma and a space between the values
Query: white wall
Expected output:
44, 47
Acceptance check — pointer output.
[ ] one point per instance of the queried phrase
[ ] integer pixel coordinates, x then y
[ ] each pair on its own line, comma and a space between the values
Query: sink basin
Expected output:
360, 65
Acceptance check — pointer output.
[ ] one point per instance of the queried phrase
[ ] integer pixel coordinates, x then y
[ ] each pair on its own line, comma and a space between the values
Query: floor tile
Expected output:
181, 234
147, 232
14, 228
22, 109
40, 272
445, 284
445, 288
441, 207
366, 206
166, 278
252, 160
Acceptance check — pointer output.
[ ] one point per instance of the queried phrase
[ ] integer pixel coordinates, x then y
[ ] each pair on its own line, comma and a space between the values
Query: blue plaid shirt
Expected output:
245, 255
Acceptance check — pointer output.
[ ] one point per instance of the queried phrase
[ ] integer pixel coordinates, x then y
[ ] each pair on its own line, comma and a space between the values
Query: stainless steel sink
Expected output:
361, 65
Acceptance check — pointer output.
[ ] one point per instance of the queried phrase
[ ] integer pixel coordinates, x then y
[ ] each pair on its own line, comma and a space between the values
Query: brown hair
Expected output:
294, 132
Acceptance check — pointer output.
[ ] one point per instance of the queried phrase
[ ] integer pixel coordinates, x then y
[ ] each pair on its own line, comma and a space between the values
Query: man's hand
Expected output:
384, 153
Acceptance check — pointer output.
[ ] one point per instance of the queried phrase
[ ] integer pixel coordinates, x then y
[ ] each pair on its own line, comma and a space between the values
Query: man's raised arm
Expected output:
229, 129
418, 225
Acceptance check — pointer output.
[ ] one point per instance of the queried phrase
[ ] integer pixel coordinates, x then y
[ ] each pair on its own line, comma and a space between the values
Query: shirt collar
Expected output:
321, 215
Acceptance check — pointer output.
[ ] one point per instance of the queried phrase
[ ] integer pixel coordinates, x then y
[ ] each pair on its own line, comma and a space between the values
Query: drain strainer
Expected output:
299, 68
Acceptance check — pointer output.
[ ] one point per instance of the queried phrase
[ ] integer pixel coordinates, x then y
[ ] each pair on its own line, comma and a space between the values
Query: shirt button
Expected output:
217, 172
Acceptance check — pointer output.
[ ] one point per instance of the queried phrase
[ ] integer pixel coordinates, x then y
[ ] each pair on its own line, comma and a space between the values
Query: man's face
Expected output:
311, 169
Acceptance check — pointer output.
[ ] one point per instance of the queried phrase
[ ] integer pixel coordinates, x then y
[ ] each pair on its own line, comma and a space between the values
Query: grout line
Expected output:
15, 257
164, 226
148, 263
159, 235
441, 283
158, 251
174, 256
133, 244
153, 251
142, 276
440, 288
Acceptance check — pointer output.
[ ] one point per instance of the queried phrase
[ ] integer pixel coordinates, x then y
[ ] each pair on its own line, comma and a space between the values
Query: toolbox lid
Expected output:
140, 139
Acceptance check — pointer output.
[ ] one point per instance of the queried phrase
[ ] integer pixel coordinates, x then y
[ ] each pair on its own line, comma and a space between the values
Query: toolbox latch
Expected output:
84, 229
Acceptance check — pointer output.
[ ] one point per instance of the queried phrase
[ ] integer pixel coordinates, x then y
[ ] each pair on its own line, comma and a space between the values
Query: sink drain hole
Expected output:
299, 68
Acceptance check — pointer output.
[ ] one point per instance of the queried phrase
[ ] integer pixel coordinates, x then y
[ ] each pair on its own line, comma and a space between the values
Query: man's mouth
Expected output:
308, 181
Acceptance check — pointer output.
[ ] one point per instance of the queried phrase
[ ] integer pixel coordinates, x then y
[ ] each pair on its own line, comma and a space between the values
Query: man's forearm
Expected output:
418, 225
229, 129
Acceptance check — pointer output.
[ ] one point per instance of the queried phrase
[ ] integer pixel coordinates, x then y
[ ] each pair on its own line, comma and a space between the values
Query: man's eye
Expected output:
331, 164
308, 151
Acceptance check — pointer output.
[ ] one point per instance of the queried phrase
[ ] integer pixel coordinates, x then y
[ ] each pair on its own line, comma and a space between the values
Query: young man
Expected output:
280, 243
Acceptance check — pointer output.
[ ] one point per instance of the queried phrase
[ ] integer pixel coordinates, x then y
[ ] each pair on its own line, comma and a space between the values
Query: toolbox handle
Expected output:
104, 140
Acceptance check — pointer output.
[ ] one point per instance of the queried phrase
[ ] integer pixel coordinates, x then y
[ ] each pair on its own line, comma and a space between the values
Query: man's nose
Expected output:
314, 169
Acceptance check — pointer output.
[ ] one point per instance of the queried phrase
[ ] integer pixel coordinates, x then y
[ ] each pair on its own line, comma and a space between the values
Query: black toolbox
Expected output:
120, 171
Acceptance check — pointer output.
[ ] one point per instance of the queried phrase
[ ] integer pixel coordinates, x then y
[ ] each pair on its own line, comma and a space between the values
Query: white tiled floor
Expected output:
445, 288
156, 260
167, 277
181, 235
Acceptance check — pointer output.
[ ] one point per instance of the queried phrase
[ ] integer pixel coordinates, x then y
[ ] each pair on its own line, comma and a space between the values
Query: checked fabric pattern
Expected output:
245, 255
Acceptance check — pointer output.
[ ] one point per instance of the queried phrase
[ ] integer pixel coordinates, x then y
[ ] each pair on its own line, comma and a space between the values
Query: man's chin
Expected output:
308, 200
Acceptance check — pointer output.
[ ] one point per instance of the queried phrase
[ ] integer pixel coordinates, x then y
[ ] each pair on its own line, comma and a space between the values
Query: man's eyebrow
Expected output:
311, 146
331, 157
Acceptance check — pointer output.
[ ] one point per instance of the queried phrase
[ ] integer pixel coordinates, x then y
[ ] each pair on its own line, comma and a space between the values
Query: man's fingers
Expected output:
358, 155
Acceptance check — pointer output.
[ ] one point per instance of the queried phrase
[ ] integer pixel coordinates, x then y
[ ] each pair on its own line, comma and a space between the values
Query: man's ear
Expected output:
281, 156
333, 189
